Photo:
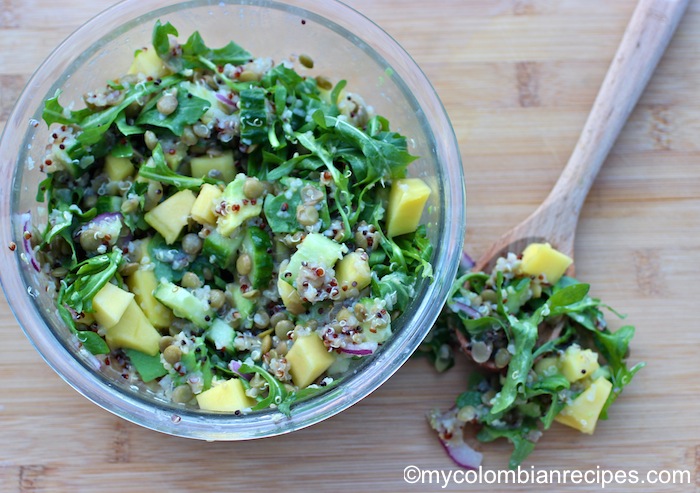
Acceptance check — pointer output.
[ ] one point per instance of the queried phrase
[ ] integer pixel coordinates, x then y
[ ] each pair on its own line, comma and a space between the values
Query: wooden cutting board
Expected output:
517, 78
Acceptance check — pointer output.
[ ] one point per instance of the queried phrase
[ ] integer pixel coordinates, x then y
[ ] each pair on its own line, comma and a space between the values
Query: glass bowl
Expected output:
343, 45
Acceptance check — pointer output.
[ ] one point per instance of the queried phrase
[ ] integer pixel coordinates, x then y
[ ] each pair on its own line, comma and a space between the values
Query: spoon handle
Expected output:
647, 35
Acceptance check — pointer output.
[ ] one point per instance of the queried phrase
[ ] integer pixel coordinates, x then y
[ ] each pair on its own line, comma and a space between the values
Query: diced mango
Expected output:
407, 199
142, 283
171, 215
582, 414
228, 396
353, 271
201, 166
140, 252
109, 304
203, 208
290, 297
542, 259
118, 168
308, 359
577, 363
148, 63
134, 331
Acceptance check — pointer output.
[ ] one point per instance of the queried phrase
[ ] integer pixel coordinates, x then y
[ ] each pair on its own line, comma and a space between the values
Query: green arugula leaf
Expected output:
161, 172
88, 277
160, 38
280, 210
524, 337
276, 391
195, 49
568, 296
396, 287
188, 112
522, 447
92, 342
149, 367
55, 113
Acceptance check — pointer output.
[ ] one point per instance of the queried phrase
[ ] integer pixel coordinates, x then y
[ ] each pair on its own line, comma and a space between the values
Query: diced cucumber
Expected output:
317, 250
245, 306
236, 208
184, 304
221, 335
257, 245
223, 249
109, 203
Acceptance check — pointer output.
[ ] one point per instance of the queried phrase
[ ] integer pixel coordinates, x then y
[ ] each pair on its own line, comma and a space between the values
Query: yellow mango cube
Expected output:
542, 259
577, 363
308, 359
142, 283
147, 62
134, 331
203, 208
407, 199
290, 297
171, 216
353, 271
228, 396
201, 166
118, 168
109, 304
582, 414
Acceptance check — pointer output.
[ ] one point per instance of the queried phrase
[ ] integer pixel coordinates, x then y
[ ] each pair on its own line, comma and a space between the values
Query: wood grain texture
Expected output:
518, 78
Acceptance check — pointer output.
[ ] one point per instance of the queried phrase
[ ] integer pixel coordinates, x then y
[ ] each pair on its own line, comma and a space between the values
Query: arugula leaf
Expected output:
55, 113
88, 277
614, 347
276, 391
524, 338
160, 38
396, 287
61, 222
125, 128
280, 210
567, 296
195, 49
189, 110
161, 172
149, 367
522, 447
92, 342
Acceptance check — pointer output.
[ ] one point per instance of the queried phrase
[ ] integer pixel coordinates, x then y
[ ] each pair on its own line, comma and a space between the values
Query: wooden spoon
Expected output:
645, 40
647, 35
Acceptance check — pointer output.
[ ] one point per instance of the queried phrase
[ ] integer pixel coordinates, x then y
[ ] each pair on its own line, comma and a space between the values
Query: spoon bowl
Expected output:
645, 40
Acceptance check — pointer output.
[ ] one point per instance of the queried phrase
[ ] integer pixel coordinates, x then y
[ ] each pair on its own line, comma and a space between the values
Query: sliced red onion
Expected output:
460, 306
235, 366
451, 435
225, 100
26, 219
466, 262
461, 453
363, 349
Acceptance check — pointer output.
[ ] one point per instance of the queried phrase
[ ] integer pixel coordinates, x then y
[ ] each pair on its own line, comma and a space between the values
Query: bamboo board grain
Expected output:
517, 78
